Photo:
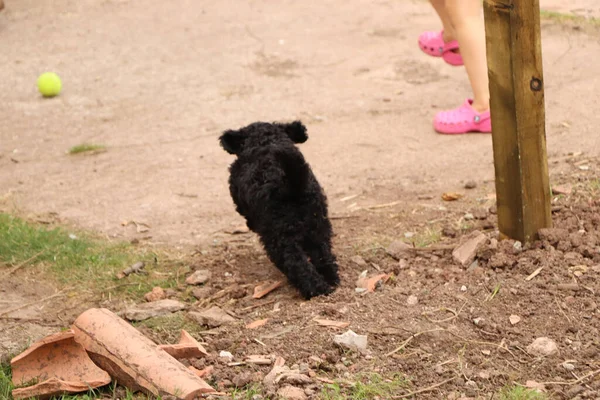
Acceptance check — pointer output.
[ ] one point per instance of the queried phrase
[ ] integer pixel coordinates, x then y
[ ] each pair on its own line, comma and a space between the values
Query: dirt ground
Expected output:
156, 83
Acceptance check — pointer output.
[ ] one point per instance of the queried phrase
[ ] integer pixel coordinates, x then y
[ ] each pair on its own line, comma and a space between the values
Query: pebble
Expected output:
542, 346
412, 300
199, 277
153, 309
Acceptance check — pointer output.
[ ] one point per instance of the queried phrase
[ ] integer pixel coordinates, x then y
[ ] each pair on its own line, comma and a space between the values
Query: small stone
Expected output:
470, 185
518, 246
291, 393
199, 277
226, 355
358, 260
351, 340
542, 346
469, 217
213, 317
397, 249
202, 293
156, 294
243, 379
486, 352
568, 366
514, 319
465, 253
153, 309
480, 213
463, 288
412, 300
478, 321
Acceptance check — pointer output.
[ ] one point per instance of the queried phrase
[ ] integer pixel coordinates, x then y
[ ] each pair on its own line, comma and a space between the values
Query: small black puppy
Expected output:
273, 187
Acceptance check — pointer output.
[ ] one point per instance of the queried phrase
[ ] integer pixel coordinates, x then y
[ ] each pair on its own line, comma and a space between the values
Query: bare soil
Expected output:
156, 82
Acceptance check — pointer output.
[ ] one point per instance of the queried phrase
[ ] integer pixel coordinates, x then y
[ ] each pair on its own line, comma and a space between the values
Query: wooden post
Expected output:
514, 56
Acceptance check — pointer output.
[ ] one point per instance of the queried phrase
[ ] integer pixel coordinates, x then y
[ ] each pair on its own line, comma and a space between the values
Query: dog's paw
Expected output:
333, 280
320, 290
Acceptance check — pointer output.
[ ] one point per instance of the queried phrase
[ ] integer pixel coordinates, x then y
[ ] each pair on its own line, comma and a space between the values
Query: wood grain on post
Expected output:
514, 56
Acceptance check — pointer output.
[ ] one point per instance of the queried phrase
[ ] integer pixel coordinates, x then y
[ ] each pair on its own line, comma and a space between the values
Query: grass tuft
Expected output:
520, 393
87, 148
367, 387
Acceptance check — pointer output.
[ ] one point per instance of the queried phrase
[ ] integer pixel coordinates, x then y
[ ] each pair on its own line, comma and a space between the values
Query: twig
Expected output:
108, 289
31, 304
266, 303
343, 216
575, 382
377, 206
441, 247
424, 390
561, 310
534, 274
21, 265
407, 341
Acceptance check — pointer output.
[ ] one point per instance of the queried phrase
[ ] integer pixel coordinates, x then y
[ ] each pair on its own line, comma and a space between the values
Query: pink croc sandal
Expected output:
432, 43
450, 55
463, 119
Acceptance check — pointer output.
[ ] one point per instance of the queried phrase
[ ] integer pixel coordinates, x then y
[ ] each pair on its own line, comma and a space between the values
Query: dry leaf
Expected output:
331, 324
257, 324
449, 196
265, 288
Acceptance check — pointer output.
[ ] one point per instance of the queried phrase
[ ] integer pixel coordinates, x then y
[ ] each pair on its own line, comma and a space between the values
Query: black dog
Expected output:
273, 187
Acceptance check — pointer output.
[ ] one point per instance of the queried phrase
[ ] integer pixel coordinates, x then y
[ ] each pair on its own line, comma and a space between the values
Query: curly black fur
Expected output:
274, 188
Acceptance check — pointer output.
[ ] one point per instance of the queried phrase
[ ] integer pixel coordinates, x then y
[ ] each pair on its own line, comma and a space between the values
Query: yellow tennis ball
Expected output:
49, 84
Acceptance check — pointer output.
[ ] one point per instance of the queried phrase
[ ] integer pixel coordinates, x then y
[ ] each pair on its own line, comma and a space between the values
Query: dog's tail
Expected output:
296, 171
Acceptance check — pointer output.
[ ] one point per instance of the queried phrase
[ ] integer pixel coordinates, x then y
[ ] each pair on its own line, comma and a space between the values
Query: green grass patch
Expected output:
565, 17
6, 385
520, 393
428, 237
76, 259
366, 387
87, 148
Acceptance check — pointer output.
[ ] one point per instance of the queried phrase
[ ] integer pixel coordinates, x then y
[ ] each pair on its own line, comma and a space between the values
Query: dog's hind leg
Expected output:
324, 260
290, 259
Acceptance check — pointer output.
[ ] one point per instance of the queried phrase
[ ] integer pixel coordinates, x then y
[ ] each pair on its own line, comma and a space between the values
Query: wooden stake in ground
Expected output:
514, 58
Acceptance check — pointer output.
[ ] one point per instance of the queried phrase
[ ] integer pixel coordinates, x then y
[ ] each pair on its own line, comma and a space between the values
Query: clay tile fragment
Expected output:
372, 283
188, 347
59, 364
133, 359
257, 324
331, 324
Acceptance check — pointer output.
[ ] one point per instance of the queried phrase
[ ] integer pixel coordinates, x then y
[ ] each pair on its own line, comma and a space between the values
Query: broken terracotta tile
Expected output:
132, 358
465, 253
202, 373
59, 364
156, 294
265, 288
372, 283
331, 324
188, 347
257, 324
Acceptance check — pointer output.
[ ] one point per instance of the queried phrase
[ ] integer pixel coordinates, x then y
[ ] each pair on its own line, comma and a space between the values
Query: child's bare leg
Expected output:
440, 9
469, 29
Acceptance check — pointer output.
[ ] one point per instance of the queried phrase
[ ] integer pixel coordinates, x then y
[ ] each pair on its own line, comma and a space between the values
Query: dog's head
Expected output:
261, 134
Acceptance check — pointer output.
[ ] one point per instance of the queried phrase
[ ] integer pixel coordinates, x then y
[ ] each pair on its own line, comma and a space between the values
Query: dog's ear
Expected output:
296, 131
232, 141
